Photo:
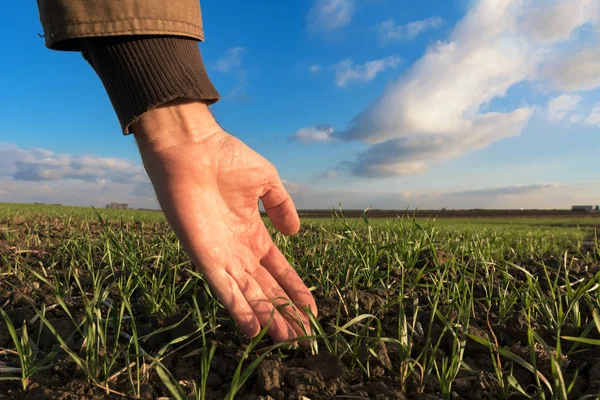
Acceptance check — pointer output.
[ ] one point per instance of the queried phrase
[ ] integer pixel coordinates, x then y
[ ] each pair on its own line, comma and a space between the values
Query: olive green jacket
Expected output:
65, 22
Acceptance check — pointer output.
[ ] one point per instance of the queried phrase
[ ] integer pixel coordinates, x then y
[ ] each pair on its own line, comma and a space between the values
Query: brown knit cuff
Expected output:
143, 72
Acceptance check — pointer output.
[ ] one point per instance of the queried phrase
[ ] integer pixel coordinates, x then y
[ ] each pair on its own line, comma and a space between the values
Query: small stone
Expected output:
382, 352
146, 391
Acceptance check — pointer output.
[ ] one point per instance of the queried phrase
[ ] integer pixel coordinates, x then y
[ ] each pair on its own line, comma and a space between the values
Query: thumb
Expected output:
281, 210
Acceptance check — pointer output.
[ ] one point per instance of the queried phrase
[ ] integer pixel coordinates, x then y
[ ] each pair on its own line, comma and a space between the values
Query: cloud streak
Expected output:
561, 106
347, 72
594, 117
328, 15
388, 31
232, 59
510, 190
231, 63
314, 134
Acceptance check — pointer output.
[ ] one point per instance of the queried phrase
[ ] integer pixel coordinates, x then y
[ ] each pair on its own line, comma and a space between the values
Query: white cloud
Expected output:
231, 63
231, 60
238, 93
39, 165
556, 20
347, 72
594, 117
315, 68
575, 118
411, 155
41, 175
571, 72
388, 31
331, 174
436, 110
561, 106
327, 15
314, 134
510, 190
294, 188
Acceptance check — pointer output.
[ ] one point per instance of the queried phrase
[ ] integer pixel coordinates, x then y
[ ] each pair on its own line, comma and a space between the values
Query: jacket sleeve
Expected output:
145, 51
66, 22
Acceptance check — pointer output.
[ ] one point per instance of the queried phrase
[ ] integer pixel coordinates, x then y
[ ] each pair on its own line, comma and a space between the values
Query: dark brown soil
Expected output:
286, 373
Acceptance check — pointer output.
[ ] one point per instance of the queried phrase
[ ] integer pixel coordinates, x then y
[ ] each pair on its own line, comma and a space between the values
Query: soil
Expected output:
286, 373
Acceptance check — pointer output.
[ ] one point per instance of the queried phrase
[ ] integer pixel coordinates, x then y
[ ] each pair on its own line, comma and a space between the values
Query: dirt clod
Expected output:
268, 375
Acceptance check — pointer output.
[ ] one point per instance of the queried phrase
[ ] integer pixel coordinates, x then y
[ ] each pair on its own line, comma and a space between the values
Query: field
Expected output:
103, 305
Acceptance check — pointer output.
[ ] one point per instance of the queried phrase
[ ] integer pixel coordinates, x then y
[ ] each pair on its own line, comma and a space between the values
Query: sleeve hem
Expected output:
68, 37
140, 73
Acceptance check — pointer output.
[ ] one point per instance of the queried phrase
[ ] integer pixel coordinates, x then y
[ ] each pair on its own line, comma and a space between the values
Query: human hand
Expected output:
208, 184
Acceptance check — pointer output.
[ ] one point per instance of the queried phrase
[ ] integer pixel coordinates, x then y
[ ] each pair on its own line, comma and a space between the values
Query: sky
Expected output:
359, 103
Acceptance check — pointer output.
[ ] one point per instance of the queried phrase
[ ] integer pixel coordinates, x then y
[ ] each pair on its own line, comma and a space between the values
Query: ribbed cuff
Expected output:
143, 72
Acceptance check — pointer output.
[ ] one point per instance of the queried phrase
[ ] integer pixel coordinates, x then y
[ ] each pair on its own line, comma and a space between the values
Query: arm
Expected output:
207, 182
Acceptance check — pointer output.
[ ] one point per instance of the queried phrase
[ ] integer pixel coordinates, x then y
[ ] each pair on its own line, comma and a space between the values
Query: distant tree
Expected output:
118, 206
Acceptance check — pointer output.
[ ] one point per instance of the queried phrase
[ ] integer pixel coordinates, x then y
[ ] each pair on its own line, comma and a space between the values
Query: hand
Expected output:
208, 184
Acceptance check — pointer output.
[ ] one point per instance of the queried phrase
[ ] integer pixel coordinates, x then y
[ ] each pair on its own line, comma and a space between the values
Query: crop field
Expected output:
105, 304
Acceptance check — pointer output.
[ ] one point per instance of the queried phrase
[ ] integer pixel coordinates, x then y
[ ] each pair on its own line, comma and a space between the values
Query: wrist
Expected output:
179, 122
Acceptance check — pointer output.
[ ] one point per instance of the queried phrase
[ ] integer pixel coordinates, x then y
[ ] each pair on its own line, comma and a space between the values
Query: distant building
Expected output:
586, 208
117, 206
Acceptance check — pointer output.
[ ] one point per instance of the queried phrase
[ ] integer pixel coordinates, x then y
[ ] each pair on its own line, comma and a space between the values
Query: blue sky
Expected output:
462, 104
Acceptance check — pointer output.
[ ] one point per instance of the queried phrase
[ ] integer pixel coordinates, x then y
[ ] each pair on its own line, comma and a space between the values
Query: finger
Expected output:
281, 210
278, 327
232, 298
280, 269
279, 298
